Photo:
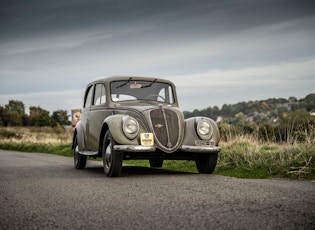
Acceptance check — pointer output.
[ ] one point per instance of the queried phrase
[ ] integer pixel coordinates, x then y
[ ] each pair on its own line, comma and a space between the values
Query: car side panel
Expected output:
114, 123
97, 117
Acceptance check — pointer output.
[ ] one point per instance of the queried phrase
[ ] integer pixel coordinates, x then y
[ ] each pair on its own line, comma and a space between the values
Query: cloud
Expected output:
249, 77
218, 87
201, 90
236, 49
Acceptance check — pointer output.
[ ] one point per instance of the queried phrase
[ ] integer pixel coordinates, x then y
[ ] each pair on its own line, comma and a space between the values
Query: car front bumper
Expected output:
184, 148
134, 148
200, 149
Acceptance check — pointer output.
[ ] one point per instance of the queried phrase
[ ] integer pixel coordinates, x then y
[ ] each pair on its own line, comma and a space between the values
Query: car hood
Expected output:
143, 106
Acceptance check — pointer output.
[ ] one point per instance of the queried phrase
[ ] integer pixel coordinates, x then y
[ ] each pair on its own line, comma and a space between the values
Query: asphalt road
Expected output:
42, 191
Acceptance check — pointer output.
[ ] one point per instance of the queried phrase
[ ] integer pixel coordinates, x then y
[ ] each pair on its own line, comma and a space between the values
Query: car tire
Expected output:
79, 159
112, 160
156, 163
207, 164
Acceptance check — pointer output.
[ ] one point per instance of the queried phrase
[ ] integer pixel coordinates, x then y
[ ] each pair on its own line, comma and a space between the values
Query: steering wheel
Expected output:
155, 95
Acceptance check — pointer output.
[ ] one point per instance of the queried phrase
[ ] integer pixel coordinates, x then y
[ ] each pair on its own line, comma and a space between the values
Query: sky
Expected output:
215, 51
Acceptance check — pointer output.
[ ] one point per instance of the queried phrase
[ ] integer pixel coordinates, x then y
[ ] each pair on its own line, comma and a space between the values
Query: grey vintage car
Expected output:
138, 118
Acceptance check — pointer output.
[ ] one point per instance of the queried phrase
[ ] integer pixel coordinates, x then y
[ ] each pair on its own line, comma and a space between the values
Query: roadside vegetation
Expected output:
274, 138
242, 155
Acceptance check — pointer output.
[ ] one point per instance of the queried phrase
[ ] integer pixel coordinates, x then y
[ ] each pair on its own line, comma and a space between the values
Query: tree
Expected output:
310, 102
16, 106
3, 116
61, 117
15, 119
12, 113
40, 117
292, 99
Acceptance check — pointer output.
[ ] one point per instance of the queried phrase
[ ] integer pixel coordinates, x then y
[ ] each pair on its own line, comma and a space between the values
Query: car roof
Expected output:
131, 78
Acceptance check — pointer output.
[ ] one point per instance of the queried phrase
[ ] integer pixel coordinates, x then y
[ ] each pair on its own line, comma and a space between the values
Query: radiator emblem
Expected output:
158, 126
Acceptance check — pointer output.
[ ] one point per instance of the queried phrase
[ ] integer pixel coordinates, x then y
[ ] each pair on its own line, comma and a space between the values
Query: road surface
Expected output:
43, 191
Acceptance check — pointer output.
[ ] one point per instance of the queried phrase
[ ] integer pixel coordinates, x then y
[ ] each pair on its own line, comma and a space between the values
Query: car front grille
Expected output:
166, 128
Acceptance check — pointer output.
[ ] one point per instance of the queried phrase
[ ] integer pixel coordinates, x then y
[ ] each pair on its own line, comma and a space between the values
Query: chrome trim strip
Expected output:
88, 153
201, 149
134, 148
169, 144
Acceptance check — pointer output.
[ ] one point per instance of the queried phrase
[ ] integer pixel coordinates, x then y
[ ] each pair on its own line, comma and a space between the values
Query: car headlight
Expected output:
130, 127
204, 129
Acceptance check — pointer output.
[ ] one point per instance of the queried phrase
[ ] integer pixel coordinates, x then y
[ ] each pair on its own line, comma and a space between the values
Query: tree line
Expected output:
260, 111
13, 114
272, 119
278, 120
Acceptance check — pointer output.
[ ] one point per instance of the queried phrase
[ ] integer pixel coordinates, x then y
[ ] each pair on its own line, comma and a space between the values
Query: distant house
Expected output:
219, 119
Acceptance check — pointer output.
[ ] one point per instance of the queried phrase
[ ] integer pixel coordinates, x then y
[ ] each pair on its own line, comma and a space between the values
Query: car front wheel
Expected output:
112, 160
79, 159
207, 163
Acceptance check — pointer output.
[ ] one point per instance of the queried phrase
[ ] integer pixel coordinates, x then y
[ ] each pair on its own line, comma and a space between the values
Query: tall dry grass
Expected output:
43, 135
292, 158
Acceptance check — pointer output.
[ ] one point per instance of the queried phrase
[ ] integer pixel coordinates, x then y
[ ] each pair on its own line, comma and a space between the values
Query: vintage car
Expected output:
138, 118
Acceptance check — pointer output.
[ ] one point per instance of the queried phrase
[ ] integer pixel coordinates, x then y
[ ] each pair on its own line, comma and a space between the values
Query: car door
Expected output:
85, 117
98, 113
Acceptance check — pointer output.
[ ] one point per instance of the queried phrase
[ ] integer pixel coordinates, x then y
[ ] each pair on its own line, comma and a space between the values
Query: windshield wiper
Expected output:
125, 83
149, 84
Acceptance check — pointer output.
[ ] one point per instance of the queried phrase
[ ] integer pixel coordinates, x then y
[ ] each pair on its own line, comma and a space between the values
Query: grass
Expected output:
249, 159
242, 156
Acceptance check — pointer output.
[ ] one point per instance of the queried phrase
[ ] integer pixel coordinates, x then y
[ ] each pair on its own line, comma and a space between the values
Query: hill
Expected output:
262, 111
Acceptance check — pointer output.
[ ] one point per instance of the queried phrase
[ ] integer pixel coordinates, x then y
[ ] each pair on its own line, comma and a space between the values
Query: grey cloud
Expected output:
58, 45
36, 17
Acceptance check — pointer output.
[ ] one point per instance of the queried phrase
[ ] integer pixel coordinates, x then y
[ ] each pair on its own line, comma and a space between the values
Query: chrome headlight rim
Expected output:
204, 129
130, 127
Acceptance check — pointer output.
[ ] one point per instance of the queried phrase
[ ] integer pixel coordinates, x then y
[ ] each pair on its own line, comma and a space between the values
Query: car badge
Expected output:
158, 126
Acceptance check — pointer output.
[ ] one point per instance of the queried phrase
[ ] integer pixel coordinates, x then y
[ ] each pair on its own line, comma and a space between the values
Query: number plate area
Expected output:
147, 139
204, 143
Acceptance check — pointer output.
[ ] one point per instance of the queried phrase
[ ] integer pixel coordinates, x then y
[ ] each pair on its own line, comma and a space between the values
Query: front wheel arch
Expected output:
102, 135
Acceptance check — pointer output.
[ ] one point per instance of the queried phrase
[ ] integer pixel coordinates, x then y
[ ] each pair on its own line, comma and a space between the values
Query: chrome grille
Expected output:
165, 124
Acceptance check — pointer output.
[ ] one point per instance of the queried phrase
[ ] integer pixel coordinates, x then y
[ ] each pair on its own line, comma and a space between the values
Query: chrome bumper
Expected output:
200, 149
134, 148
184, 148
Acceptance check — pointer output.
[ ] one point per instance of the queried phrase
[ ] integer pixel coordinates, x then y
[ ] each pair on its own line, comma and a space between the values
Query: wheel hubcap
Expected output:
76, 152
108, 155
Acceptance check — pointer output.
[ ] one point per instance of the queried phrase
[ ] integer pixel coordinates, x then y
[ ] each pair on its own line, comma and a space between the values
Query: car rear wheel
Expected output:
156, 163
207, 163
79, 159
112, 160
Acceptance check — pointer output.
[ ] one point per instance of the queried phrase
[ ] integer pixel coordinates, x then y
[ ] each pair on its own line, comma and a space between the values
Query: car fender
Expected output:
79, 133
191, 133
114, 124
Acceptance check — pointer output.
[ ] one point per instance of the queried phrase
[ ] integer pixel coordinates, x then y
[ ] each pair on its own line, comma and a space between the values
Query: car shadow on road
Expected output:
131, 170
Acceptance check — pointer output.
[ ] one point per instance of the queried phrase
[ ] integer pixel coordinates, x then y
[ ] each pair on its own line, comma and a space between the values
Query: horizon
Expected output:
220, 107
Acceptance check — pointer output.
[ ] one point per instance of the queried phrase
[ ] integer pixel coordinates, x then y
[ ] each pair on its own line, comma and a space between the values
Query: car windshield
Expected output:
130, 90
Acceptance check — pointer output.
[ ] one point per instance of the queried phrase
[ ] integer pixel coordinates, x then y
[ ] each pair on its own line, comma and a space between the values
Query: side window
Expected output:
88, 97
99, 97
